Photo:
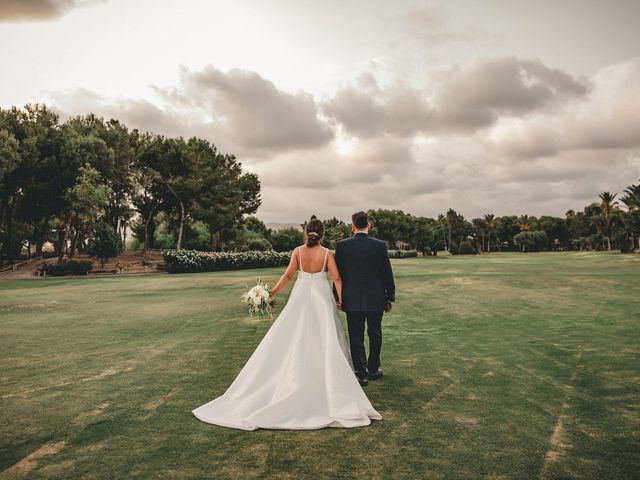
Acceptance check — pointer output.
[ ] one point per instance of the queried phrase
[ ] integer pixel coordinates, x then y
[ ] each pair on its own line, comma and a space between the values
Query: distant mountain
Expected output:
280, 226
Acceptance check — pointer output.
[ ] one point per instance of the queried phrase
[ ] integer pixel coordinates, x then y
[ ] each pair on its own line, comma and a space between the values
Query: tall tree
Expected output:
556, 230
490, 226
631, 200
176, 172
225, 193
607, 204
30, 193
524, 222
77, 149
86, 202
479, 229
457, 227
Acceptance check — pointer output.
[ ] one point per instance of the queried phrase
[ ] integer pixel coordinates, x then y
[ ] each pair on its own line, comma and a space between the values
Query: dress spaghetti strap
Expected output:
324, 263
300, 258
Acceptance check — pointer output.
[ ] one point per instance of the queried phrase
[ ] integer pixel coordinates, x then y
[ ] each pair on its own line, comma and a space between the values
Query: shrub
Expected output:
105, 245
438, 246
71, 267
402, 253
453, 248
191, 261
467, 248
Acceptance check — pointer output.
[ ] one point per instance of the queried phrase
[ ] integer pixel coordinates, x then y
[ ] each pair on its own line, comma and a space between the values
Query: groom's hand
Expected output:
339, 305
389, 307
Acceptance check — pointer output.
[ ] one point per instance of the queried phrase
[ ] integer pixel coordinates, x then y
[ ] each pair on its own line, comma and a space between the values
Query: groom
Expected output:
368, 290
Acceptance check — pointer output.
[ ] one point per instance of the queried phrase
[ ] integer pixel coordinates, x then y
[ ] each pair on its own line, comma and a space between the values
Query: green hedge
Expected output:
71, 267
190, 261
402, 253
467, 248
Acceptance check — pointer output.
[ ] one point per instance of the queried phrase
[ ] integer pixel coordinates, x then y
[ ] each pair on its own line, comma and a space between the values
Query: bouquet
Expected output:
257, 299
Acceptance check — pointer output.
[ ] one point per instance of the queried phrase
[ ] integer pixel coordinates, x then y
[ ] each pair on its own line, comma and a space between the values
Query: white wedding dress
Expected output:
300, 376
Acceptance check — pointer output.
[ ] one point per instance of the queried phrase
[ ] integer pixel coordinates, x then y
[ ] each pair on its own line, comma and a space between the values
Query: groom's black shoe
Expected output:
363, 381
375, 375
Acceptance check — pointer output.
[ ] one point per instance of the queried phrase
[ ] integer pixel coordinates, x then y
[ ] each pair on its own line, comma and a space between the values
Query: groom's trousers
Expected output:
355, 323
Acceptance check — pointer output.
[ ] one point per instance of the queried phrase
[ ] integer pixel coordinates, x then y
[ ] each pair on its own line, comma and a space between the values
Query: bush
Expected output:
467, 248
402, 253
71, 267
438, 246
191, 261
453, 248
106, 244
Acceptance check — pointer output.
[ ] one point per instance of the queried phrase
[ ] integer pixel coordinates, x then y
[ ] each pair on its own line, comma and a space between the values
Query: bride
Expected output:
300, 376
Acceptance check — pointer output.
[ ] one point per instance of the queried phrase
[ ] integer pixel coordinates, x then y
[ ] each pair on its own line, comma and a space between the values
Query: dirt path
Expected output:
130, 263
27, 270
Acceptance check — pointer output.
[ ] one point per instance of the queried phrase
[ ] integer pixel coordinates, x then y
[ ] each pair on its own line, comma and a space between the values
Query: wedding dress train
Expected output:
300, 376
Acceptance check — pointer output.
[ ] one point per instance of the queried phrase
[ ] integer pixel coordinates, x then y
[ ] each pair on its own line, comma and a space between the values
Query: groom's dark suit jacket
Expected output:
365, 269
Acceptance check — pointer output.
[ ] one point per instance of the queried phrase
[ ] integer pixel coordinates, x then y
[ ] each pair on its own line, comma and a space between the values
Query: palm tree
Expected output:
490, 224
524, 222
478, 225
442, 221
607, 204
631, 200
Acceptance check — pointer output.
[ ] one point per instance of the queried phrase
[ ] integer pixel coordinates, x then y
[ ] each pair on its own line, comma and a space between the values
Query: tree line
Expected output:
605, 224
88, 184
89, 180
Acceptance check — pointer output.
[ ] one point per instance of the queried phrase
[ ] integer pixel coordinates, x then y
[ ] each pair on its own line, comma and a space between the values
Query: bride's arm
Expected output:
335, 273
287, 275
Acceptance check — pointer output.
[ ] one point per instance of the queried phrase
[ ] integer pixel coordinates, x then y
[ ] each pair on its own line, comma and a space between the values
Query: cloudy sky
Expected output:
498, 106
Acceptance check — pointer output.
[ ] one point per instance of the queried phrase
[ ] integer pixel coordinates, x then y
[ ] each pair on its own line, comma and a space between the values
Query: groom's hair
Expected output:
360, 219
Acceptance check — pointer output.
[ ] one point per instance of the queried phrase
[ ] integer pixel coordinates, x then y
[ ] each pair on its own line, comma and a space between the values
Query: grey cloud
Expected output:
457, 172
38, 10
251, 111
462, 99
134, 113
240, 111
477, 95
366, 110
608, 119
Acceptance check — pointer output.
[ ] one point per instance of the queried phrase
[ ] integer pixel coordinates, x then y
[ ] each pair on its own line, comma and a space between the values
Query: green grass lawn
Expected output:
504, 366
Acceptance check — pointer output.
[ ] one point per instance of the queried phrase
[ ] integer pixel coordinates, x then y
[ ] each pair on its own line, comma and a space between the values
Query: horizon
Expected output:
496, 108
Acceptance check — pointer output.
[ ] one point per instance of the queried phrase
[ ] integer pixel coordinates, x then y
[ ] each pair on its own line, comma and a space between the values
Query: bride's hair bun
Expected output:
314, 231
